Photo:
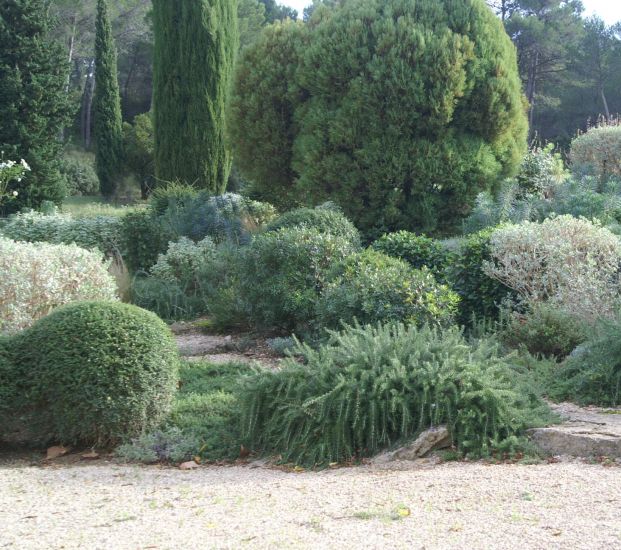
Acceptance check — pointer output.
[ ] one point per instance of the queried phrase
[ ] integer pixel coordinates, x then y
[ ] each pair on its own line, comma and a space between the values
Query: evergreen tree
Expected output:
107, 106
33, 103
195, 46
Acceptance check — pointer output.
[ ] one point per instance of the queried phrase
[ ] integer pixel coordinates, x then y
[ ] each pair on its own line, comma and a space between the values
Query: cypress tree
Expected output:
195, 46
108, 127
33, 104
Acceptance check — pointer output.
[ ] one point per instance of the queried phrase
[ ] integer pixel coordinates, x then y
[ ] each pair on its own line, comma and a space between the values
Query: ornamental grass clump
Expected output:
371, 387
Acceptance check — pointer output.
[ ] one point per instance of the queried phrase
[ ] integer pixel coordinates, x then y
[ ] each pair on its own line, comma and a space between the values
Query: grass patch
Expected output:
90, 207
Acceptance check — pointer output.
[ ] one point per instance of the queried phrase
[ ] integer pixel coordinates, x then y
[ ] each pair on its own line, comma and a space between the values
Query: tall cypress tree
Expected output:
195, 46
33, 104
108, 128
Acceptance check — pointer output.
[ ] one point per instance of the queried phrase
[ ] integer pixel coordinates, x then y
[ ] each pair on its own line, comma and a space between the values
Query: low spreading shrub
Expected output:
418, 250
283, 272
204, 420
480, 295
592, 374
570, 263
326, 218
96, 372
35, 278
545, 331
372, 287
371, 387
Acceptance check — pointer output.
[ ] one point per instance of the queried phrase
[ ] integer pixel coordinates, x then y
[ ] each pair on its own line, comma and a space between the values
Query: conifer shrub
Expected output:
144, 237
96, 372
371, 387
418, 250
326, 218
395, 110
283, 272
371, 287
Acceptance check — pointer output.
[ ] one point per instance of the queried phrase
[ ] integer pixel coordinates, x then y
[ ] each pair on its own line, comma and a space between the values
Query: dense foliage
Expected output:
396, 111
195, 47
34, 107
36, 278
371, 287
108, 129
598, 152
369, 388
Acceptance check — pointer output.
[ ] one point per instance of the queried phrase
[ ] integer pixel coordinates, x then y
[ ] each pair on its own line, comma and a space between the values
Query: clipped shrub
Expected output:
592, 376
371, 387
8, 386
79, 175
98, 232
97, 372
570, 263
283, 272
325, 219
371, 287
480, 295
418, 250
35, 278
598, 152
545, 331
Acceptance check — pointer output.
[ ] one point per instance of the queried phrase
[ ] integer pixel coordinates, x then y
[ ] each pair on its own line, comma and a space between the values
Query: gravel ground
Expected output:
452, 505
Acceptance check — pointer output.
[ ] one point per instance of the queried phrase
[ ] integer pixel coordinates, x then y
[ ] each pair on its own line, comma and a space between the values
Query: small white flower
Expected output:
15, 193
25, 165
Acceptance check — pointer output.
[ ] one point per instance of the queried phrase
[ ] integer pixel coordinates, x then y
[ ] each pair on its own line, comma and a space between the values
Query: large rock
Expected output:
585, 432
430, 440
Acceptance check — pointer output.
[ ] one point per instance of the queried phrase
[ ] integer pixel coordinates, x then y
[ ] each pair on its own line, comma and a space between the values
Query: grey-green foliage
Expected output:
371, 387
196, 43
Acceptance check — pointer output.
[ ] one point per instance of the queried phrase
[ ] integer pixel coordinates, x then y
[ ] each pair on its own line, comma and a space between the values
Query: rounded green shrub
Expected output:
97, 372
598, 152
371, 287
80, 176
143, 238
7, 380
418, 250
283, 273
369, 388
325, 219
481, 296
401, 112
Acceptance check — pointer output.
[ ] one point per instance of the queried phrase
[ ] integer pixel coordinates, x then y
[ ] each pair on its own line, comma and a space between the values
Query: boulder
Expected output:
432, 439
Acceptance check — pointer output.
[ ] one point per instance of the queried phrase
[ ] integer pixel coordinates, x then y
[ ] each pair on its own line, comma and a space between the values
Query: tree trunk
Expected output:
87, 105
531, 87
605, 102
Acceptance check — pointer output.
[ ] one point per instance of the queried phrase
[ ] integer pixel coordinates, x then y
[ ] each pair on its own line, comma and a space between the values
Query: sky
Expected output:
608, 10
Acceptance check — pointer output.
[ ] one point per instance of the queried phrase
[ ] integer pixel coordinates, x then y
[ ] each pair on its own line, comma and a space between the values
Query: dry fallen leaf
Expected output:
55, 452
243, 452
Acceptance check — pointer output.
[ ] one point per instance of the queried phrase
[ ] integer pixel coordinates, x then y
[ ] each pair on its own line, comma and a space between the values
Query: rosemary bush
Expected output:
371, 387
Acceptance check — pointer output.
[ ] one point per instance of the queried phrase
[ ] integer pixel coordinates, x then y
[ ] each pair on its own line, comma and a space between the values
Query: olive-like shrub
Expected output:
400, 112
598, 152
371, 287
371, 387
326, 218
282, 274
572, 264
35, 278
95, 372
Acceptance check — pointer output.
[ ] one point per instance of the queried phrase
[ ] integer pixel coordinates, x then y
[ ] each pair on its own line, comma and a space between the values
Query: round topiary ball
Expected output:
97, 372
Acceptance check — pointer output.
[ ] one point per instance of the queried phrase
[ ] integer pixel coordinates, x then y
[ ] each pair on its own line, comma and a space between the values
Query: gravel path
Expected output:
453, 505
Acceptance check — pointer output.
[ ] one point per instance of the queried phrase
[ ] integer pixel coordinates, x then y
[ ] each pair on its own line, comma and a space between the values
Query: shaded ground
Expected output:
453, 505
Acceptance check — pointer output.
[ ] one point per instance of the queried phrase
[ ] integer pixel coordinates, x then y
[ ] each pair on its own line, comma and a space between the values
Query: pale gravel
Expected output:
452, 505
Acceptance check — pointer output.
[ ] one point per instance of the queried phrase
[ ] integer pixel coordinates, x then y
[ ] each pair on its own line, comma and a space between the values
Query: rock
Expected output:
91, 455
56, 452
430, 440
585, 432
190, 465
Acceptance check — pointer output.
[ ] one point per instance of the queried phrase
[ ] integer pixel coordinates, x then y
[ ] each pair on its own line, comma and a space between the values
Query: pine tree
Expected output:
107, 106
33, 103
195, 46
